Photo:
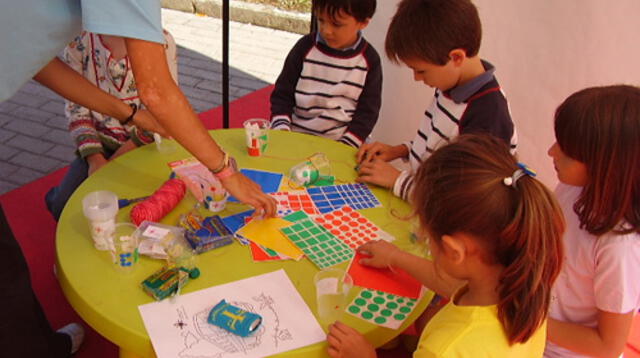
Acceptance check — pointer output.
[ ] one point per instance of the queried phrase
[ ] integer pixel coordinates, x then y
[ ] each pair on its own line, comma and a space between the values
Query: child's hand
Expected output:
370, 151
346, 342
125, 147
380, 252
145, 120
378, 172
378, 150
95, 161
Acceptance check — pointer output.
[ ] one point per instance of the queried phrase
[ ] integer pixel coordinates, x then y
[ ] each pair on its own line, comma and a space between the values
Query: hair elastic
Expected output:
522, 170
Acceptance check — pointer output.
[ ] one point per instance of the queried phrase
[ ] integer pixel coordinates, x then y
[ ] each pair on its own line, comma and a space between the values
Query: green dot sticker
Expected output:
399, 317
381, 308
380, 320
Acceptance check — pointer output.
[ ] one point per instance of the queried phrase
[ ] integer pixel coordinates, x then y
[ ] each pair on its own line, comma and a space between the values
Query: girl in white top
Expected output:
597, 158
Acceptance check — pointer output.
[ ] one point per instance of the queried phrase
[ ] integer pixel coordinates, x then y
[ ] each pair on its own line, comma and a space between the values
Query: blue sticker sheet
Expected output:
236, 221
332, 197
268, 181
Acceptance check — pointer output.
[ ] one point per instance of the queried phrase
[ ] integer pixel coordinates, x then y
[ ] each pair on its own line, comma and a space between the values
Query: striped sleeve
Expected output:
281, 122
404, 185
283, 99
368, 108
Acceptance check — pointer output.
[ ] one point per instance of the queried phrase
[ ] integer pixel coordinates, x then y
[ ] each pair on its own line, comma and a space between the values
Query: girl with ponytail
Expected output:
597, 159
494, 233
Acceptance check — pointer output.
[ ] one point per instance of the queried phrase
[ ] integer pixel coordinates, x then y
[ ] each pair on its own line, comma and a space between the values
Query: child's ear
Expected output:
457, 55
363, 24
454, 248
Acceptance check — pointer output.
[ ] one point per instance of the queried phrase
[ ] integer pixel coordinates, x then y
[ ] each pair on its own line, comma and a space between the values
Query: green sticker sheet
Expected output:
381, 308
318, 244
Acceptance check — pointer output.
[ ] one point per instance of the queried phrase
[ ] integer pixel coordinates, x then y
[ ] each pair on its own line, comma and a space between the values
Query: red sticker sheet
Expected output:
397, 282
292, 201
352, 227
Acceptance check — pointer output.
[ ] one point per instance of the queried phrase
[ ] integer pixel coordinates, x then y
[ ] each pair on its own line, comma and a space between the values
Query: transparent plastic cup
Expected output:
101, 208
164, 145
124, 248
315, 168
332, 290
257, 135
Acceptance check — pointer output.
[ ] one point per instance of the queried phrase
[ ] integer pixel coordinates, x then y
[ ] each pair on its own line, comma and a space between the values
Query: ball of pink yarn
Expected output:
160, 203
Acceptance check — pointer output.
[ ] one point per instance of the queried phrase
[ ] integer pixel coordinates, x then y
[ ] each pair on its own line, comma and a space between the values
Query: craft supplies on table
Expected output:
329, 198
204, 186
160, 241
168, 280
211, 235
160, 203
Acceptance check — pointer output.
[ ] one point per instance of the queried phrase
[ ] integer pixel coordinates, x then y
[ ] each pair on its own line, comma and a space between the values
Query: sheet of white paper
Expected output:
179, 328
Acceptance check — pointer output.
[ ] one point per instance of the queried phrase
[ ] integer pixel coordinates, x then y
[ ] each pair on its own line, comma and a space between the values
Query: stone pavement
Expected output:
34, 140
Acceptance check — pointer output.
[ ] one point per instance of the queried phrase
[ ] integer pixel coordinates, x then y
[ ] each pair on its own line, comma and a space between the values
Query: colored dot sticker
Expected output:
392, 305
380, 320
366, 294
360, 302
378, 300
373, 307
367, 315
354, 309
405, 309
386, 313
399, 317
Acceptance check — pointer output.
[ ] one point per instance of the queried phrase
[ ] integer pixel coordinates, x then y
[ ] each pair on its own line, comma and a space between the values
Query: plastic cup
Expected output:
124, 247
101, 208
257, 134
317, 167
332, 291
164, 145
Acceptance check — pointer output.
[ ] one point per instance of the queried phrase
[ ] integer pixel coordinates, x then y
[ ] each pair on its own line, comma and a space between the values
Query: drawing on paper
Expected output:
180, 329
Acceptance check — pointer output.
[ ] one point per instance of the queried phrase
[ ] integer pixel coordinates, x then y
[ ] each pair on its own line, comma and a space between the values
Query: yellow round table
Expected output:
108, 300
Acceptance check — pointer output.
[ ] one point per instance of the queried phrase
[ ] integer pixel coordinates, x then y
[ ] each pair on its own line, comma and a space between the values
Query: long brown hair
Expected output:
460, 189
430, 29
600, 127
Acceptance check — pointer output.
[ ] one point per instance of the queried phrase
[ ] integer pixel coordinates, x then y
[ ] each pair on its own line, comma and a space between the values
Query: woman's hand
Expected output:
248, 192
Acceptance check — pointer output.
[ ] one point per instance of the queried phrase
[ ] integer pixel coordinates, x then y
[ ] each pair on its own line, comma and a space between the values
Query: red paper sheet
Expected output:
398, 282
259, 254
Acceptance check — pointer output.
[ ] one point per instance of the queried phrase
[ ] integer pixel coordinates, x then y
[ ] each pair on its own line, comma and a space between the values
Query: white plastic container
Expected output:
101, 208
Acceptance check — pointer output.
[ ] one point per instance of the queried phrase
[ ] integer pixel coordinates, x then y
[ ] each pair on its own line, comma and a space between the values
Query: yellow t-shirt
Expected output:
474, 332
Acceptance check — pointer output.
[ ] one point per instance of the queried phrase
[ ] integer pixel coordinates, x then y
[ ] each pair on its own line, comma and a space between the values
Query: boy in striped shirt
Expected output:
331, 81
439, 40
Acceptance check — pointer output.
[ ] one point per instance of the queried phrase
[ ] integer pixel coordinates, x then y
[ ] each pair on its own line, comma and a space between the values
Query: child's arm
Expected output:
366, 114
283, 96
606, 340
81, 125
346, 342
385, 255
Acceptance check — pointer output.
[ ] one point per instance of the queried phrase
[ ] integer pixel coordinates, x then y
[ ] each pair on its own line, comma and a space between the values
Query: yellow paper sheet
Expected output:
266, 232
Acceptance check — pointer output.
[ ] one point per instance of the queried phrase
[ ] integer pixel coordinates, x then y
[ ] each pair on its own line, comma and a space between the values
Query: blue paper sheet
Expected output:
330, 198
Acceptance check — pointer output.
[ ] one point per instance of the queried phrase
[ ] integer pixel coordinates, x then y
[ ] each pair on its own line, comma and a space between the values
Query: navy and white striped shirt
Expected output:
478, 106
327, 92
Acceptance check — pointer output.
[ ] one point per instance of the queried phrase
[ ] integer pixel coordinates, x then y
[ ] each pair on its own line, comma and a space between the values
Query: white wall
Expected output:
543, 51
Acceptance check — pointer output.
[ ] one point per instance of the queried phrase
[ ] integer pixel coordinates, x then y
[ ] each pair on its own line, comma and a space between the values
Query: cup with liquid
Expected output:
332, 291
